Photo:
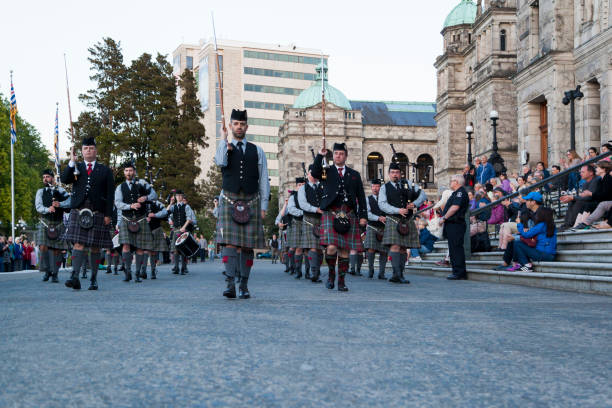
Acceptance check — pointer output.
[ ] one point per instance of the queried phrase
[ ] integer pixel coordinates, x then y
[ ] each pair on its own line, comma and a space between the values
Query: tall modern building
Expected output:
265, 79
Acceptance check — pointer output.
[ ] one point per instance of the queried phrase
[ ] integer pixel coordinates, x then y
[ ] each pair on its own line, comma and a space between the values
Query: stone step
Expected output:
561, 281
591, 255
576, 268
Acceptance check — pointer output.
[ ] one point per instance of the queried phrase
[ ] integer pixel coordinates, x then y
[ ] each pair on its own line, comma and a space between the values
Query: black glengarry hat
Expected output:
239, 115
376, 181
48, 172
340, 146
89, 141
394, 166
299, 180
178, 191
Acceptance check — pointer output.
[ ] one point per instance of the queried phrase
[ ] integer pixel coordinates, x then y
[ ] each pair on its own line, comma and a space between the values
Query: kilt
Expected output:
329, 236
159, 243
229, 232
98, 236
371, 242
294, 234
143, 239
392, 237
307, 238
43, 239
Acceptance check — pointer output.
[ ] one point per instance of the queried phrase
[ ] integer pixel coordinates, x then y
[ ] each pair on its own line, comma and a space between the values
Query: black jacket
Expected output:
101, 187
352, 184
604, 189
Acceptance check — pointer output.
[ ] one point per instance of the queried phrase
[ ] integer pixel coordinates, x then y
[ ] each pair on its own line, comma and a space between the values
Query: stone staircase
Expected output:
583, 264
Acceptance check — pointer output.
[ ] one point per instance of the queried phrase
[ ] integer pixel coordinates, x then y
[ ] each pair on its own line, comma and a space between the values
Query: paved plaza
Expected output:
176, 342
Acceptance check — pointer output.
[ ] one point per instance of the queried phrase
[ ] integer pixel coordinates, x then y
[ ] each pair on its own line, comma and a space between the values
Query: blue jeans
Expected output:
523, 254
418, 252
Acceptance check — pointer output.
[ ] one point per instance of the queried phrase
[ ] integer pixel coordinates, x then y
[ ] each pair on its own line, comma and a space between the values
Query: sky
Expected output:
379, 50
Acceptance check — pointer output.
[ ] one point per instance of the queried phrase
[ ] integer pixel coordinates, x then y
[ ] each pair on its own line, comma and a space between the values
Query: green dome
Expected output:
463, 13
312, 96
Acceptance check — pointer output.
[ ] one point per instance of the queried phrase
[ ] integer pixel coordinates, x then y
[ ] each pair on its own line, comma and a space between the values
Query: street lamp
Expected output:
469, 129
496, 160
569, 98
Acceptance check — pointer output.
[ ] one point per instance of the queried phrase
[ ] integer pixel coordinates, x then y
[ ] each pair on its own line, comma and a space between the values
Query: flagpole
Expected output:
12, 181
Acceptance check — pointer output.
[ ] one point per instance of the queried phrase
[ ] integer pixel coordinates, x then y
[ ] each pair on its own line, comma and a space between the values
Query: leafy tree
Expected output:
211, 186
269, 226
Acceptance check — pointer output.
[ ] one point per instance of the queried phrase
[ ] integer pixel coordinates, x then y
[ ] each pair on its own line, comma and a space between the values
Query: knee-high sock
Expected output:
371, 256
56, 262
78, 257
353, 259
359, 261
343, 266
183, 263
230, 260
145, 260
153, 259
138, 263
44, 261
314, 262
396, 260
246, 263
306, 262
382, 263
298, 263
176, 260
331, 262
94, 261
404, 257
107, 259
127, 262
292, 259
116, 260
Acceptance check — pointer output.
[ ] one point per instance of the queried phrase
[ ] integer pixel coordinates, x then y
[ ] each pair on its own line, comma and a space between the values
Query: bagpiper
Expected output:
243, 202
51, 202
309, 199
135, 235
399, 198
183, 220
344, 210
91, 206
295, 232
375, 232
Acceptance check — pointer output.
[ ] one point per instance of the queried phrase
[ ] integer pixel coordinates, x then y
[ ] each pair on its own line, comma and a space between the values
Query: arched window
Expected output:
376, 165
425, 169
402, 160
502, 40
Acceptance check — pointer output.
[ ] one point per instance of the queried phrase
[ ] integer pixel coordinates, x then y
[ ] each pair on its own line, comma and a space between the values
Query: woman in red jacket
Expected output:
27, 254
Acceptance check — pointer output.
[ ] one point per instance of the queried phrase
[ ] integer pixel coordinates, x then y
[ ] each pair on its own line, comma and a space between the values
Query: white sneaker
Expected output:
415, 259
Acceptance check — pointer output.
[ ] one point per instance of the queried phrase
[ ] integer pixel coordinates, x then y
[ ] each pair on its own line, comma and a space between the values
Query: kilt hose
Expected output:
98, 236
308, 238
229, 232
294, 233
392, 237
159, 243
329, 236
143, 239
43, 239
371, 242
283, 238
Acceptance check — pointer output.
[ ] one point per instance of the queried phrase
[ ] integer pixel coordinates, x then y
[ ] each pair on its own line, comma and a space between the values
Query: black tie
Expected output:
239, 144
397, 186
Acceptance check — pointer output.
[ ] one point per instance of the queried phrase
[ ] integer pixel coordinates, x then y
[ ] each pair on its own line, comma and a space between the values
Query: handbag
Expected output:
530, 242
341, 223
240, 212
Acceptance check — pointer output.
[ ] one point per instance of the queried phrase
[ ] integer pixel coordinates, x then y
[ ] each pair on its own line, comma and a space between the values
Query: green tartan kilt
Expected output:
308, 238
371, 242
159, 242
229, 232
294, 233
43, 239
392, 237
143, 239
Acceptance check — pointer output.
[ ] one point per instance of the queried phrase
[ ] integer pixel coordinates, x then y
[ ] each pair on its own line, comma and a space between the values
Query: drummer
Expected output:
183, 220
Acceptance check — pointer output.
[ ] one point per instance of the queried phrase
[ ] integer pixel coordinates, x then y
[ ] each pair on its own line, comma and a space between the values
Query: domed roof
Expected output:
312, 96
463, 13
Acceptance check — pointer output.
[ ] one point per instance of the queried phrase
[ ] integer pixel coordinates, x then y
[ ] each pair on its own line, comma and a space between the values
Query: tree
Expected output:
269, 226
211, 186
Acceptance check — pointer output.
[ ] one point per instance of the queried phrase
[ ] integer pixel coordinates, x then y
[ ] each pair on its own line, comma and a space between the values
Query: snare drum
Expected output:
186, 245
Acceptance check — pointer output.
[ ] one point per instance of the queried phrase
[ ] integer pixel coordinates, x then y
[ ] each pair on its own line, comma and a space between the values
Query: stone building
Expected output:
518, 57
367, 127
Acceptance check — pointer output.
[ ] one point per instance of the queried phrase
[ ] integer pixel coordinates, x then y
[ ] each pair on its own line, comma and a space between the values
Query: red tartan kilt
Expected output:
329, 236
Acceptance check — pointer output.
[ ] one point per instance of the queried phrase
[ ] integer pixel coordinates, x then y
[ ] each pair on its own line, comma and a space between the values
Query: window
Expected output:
272, 89
262, 139
376, 165
502, 40
265, 122
425, 169
189, 62
282, 57
271, 156
203, 83
279, 74
273, 172
264, 105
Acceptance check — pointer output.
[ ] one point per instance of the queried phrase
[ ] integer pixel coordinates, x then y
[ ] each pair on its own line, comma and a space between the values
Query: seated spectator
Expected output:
522, 214
478, 187
478, 223
602, 196
591, 153
473, 203
497, 212
606, 147
426, 239
542, 168
583, 201
487, 172
558, 184
521, 182
526, 171
505, 183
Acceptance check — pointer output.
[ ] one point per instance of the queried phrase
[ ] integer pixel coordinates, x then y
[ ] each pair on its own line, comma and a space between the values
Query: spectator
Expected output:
542, 168
211, 250
17, 255
560, 183
478, 223
545, 235
505, 183
602, 196
5, 259
526, 171
592, 153
473, 203
520, 183
477, 167
203, 248
426, 239
513, 212
34, 256
606, 147
27, 255
469, 174
497, 212
487, 172
572, 159
583, 201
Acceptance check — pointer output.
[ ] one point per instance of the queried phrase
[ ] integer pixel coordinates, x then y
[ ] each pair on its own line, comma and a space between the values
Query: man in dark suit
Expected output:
344, 208
93, 188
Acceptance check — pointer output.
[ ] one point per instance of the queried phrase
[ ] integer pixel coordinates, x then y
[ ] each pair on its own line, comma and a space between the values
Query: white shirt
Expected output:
93, 164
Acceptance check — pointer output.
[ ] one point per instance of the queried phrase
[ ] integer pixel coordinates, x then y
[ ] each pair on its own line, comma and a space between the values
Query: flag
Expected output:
13, 114
56, 142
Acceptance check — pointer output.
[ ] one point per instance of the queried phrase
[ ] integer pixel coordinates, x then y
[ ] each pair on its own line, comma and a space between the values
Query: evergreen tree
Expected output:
211, 186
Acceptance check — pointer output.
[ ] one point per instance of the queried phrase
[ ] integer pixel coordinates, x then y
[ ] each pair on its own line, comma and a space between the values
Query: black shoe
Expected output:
244, 294
298, 275
137, 280
115, 272
93, 286
54, 279
69, 283
394, 279
153, 275
128, 277
307, 275
46, 277
108, 270
175, 271
382, 277
121, 268
342, 287
315, 279
84, 276
329, 285
143, 275
403, 280
452, 276
230, 292
352, 272
183, 272
371, 274
358, 273
74, 283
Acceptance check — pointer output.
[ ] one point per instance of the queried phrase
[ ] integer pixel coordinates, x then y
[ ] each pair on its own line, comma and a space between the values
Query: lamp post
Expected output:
570, 97
496, 160
469, 129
